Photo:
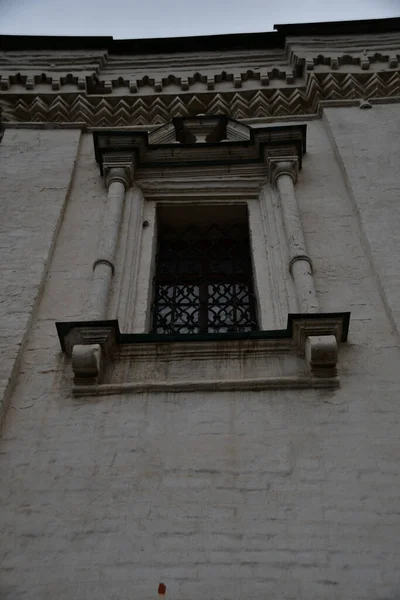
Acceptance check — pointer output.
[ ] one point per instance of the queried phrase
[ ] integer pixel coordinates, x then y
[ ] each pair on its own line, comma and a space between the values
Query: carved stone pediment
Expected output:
200, 129
200, 141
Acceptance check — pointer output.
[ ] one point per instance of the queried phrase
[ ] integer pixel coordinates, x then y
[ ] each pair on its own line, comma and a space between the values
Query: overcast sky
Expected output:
166, 18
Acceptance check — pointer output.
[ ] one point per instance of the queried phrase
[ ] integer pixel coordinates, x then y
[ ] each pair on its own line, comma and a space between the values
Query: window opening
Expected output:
203, 281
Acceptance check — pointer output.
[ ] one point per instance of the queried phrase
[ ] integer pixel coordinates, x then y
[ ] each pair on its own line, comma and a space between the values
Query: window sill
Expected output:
107, 362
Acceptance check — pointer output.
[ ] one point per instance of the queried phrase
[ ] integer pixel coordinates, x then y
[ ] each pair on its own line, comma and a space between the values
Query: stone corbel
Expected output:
317, 338
321, 353
90, 345
87, 364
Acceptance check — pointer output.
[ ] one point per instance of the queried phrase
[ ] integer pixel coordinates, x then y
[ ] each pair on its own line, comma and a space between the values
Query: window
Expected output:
203, 281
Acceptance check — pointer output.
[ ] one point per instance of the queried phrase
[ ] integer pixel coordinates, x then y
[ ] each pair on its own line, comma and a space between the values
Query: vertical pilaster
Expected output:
117, 181
126, 302
283, 177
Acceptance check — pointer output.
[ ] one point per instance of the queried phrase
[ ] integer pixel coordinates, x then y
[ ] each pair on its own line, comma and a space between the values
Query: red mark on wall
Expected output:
162, 588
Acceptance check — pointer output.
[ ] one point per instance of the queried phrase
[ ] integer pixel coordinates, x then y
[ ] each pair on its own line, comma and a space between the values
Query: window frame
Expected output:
271, 285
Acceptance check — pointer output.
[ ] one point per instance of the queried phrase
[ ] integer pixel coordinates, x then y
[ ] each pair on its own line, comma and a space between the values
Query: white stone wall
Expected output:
278, 494
372, 176
35, 174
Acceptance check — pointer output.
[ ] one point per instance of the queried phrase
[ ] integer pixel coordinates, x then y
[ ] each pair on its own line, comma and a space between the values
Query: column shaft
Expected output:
300, 263
103, 268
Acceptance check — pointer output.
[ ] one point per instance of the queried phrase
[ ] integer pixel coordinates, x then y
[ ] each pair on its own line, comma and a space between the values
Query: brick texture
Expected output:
282, 494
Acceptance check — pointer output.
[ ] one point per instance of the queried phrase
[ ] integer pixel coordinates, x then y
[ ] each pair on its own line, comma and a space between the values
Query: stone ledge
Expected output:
304, 355
233, 385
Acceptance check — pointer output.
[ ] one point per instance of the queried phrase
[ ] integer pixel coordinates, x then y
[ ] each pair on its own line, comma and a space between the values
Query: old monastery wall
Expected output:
220, 495
35, 178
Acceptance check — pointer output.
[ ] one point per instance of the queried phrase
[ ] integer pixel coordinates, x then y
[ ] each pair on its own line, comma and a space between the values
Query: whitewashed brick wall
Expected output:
280, 495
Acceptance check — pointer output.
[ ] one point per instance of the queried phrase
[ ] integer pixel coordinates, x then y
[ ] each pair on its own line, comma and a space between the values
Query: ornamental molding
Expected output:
306, 100
199, 142
99, 89
102, 71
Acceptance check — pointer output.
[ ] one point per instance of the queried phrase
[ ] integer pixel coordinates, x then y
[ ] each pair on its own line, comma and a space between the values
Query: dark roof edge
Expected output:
340, 27
230, 41
50, 42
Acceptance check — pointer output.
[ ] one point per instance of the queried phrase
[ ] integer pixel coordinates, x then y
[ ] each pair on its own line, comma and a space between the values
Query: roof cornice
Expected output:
236, 41
340, 27
124, 83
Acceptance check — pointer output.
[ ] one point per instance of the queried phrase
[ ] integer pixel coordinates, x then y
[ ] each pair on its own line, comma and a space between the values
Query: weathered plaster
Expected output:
223, 495
35, 177
179, 470
371, 173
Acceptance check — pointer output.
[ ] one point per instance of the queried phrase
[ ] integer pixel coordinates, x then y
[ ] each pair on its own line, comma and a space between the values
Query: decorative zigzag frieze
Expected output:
157, 109
251, 78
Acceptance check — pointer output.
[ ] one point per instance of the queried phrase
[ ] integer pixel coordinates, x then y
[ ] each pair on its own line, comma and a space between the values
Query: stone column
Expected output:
117, 182
284, 176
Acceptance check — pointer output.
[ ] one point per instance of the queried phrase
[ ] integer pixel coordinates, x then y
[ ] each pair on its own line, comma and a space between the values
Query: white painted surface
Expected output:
35, 174
368, 151
276, 494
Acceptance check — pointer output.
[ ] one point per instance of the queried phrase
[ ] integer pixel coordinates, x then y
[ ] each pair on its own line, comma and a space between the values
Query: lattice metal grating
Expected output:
203, 281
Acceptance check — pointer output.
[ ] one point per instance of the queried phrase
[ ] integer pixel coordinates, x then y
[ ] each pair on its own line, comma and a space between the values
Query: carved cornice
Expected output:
102, 82
122, 111
115, 83
216, 63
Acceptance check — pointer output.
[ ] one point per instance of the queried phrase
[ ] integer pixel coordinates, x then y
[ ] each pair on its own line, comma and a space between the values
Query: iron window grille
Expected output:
203, 281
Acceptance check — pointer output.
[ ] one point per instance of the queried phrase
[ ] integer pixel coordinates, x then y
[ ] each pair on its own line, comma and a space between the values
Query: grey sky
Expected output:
165, 18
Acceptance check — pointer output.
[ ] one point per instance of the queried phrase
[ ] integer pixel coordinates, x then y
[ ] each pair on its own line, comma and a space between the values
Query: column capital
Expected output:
283, 166
121, 173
